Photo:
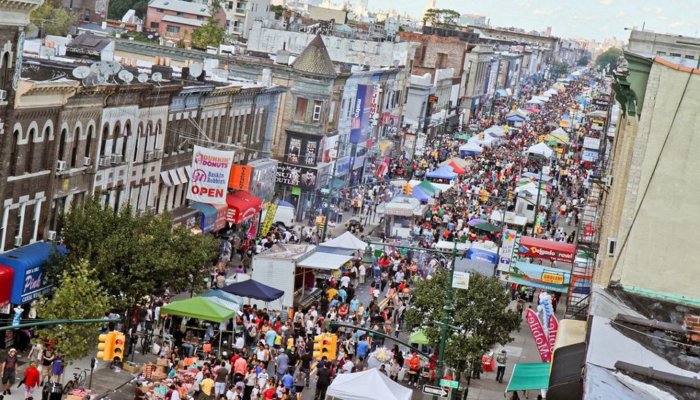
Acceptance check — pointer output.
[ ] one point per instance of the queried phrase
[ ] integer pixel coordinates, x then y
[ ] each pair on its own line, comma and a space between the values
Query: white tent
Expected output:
471, 147
346, 241
496, 131
541, 149
366, 385
560, 132
552, 91
487, 141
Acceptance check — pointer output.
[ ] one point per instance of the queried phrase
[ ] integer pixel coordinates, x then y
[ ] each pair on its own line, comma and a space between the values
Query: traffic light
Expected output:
318, 346
105, 346
118, 348
407, 189
325, 345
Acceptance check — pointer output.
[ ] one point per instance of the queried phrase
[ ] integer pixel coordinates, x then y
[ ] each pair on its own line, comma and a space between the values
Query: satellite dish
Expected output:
143, 78
104, 68
81, 72
126, 76
114, 66
196, 70
95, 68
157, 77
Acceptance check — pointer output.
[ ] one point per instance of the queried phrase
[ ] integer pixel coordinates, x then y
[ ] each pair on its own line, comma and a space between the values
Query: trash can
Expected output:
45, 392
55, 391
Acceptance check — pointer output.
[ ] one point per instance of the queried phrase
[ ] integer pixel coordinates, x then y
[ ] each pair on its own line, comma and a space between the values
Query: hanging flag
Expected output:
552, 329
541, 340
253, 228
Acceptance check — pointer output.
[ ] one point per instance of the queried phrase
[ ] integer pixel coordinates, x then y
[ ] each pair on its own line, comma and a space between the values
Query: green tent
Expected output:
418, 337
529, 376
428, 187
200, 308
488, 227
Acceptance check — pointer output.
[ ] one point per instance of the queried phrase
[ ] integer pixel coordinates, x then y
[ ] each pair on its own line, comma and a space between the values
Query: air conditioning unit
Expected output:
157, 154
86, 161
610, 248
105, 161
51, 236
18, 241
3, 95
60, 166
608, 180
148, 156
116, 159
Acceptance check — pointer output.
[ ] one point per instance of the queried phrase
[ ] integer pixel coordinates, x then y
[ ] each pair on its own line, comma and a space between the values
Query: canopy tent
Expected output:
560, 132
476, 221
515, 118
551, 92
456, 168
254, 290
456, 160
427, 187
483, 140
223, 299
420, 194
496, 131
444, 172
199, 308
242, 206
597, 114
557, 139
541, 149
346, 241
529, 376
488, 227
324, 261
367, 385
418, 337
470, 149
536, 100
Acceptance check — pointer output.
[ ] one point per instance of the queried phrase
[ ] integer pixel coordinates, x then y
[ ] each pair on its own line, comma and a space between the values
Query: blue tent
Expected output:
283, 203
444, 172
515, 118
419, 194
254, 290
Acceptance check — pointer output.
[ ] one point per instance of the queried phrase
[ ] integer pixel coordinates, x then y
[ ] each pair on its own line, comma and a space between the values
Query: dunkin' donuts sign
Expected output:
210, 175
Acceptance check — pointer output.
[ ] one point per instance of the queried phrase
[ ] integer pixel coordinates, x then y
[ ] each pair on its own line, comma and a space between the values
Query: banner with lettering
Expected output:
210, 175
541, 340
507, 247
269, 218
552, 329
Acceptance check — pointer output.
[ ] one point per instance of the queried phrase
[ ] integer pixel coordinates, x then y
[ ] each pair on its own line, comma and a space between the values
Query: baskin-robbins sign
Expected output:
210, 175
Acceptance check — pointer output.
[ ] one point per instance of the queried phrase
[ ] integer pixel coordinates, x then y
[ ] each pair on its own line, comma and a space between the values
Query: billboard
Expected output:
302, 149
210, 173
360, 118
292, 175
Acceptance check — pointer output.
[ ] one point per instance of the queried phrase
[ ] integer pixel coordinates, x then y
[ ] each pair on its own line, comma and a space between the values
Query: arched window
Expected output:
139, 130
62, 144
116, 134
125, 138
88, 141
103, 142
41, 163
74, 150
15, 150
30, 153
4, 69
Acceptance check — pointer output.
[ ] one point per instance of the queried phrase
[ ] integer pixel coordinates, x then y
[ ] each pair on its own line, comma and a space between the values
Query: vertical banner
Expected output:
239, 178
269, 218
552, 329
210, 173
541, 340
253, 228
507, 247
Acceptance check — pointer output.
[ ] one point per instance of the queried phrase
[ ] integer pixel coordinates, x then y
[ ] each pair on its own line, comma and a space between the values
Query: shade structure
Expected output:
427, 187
470, 149
223, 299
418, 337
242, 206
476, 221
459, 161
346, 241
420, 194
456, 168
254, 290
444, 172
557, 139
367, 385
529, 376
541, 149
496, 131
488, 227
199, 308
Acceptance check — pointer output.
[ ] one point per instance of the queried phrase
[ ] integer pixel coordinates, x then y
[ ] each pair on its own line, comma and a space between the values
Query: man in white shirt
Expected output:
240, 343
344, 281
363, 273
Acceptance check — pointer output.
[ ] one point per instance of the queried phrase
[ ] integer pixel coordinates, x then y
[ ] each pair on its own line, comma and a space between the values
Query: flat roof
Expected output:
183, 20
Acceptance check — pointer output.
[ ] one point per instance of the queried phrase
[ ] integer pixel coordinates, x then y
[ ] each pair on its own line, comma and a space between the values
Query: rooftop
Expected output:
315, 59
181, 6
183, 20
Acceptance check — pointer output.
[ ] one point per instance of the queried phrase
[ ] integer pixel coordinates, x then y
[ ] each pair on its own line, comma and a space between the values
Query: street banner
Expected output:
269, 218
552, 329
541, 340
210, 173
507, 248
251, 232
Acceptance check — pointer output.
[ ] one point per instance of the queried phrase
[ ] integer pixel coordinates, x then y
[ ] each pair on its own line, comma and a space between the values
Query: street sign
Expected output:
436, 391
460, 280
449, 383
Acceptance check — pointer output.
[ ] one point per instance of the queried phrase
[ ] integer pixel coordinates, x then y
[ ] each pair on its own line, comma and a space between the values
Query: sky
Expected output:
587, 19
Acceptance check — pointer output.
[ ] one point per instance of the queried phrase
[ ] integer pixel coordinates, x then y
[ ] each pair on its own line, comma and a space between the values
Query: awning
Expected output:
565, 381
324, 261
174, 177
221, 211
181, 173
6, 278
185, 216
208, 220
539, 276
547, 249
242, 206
165, 179
199, 308
529, 376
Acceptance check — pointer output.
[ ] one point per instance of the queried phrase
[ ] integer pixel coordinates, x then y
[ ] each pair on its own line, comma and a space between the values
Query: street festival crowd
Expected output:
271, 357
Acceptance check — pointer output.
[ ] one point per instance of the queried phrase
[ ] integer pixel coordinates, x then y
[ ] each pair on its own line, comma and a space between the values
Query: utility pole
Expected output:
447, 315
327, 211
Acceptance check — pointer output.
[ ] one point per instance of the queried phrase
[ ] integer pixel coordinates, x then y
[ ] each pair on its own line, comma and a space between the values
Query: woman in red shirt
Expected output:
31, 380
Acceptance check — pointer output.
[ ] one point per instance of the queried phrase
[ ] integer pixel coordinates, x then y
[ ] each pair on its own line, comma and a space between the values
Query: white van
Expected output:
284, 216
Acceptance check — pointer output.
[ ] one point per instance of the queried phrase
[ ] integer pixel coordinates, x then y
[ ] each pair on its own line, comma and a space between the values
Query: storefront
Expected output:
212, 217
186, 217
28, 264
546, 249
242, 206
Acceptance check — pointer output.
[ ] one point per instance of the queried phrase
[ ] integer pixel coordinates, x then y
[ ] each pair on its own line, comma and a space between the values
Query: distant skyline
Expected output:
587, 19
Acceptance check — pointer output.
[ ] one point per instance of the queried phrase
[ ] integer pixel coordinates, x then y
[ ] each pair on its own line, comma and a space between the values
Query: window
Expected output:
612, 242
229, 5
300, 111
136, 144
442, 60
179, 14
4, 68
200, 18
88, 141
675, 54
32, 145
62, 144
15, 142
661, 53
74, 151
103, 143
160, 10
173, 29
690, 57
318, 106
155, 25
125, 140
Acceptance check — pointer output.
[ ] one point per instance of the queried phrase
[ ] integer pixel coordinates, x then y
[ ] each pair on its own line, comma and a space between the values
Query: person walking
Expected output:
8, 367
501, 359
323, 380
32, 377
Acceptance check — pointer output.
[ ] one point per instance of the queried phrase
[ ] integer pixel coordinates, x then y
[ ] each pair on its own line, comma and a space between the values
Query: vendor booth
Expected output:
470, 149
347, 244
366, 385
529, 376
540, 149
400, 214
253, 289
242, 206
445, 172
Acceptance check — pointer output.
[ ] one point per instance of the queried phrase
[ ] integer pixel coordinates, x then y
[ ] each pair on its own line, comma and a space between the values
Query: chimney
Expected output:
282, 56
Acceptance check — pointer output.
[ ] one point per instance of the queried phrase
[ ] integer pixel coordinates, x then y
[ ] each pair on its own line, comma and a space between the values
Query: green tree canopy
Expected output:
209, 34
134, 256
480, 313
608, 58
79, 296
559, 69
279, 10
583, 61
117, 8
441, 17
55, 20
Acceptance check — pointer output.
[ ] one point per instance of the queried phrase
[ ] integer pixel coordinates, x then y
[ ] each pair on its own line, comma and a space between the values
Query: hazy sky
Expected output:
590, 19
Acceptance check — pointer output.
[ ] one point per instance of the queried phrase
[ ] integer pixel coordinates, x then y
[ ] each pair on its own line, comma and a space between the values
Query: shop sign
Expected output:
35, 284
304, 178
541, 339
302, 149
548, 277
507, 247
210, 175
239, 178
374, 114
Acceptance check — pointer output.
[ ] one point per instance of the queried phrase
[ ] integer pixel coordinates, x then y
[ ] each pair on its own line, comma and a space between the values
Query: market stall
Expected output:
470, 149
529, 376
366, 385
540, 149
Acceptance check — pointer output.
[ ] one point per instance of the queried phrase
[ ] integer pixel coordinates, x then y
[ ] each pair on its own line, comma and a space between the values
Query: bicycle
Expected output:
77, 382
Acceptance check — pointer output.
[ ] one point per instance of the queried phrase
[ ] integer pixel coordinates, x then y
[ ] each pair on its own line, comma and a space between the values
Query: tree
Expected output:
608, 58
79, 296
117, 8
441, 17
279, 10
559, 69
583, 61
54, 20
479, 312
209, 34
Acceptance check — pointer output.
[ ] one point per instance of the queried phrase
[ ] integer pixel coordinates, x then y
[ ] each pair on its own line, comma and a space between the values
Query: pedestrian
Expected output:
221, 379
47, 358
32, 378
323, 380
9, 364
206, 387
501, 365
57, 367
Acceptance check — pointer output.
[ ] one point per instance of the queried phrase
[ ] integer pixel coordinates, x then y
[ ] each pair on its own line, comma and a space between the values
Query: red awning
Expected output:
456, 168
242, 206
547, 249
221, 212
6, 279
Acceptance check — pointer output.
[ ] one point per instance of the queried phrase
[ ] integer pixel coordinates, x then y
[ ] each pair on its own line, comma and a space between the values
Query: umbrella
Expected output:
476, 221
485, 226
418, 337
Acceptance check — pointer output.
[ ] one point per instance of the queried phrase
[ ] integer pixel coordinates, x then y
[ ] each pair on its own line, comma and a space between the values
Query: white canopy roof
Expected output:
346, 241
551, 91
367, 385
495, 130
510, 218
487, 141
541, 149
445, 245
560, 131
326, 261
471, 146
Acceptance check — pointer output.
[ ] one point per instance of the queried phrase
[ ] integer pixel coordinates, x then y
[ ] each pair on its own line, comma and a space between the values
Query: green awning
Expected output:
200, 308
418, 337
529, 376
428, 187
488, 227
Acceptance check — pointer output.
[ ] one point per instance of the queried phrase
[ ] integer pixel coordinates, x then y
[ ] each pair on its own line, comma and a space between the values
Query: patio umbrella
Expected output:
485, 226
418, 337
476, 221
